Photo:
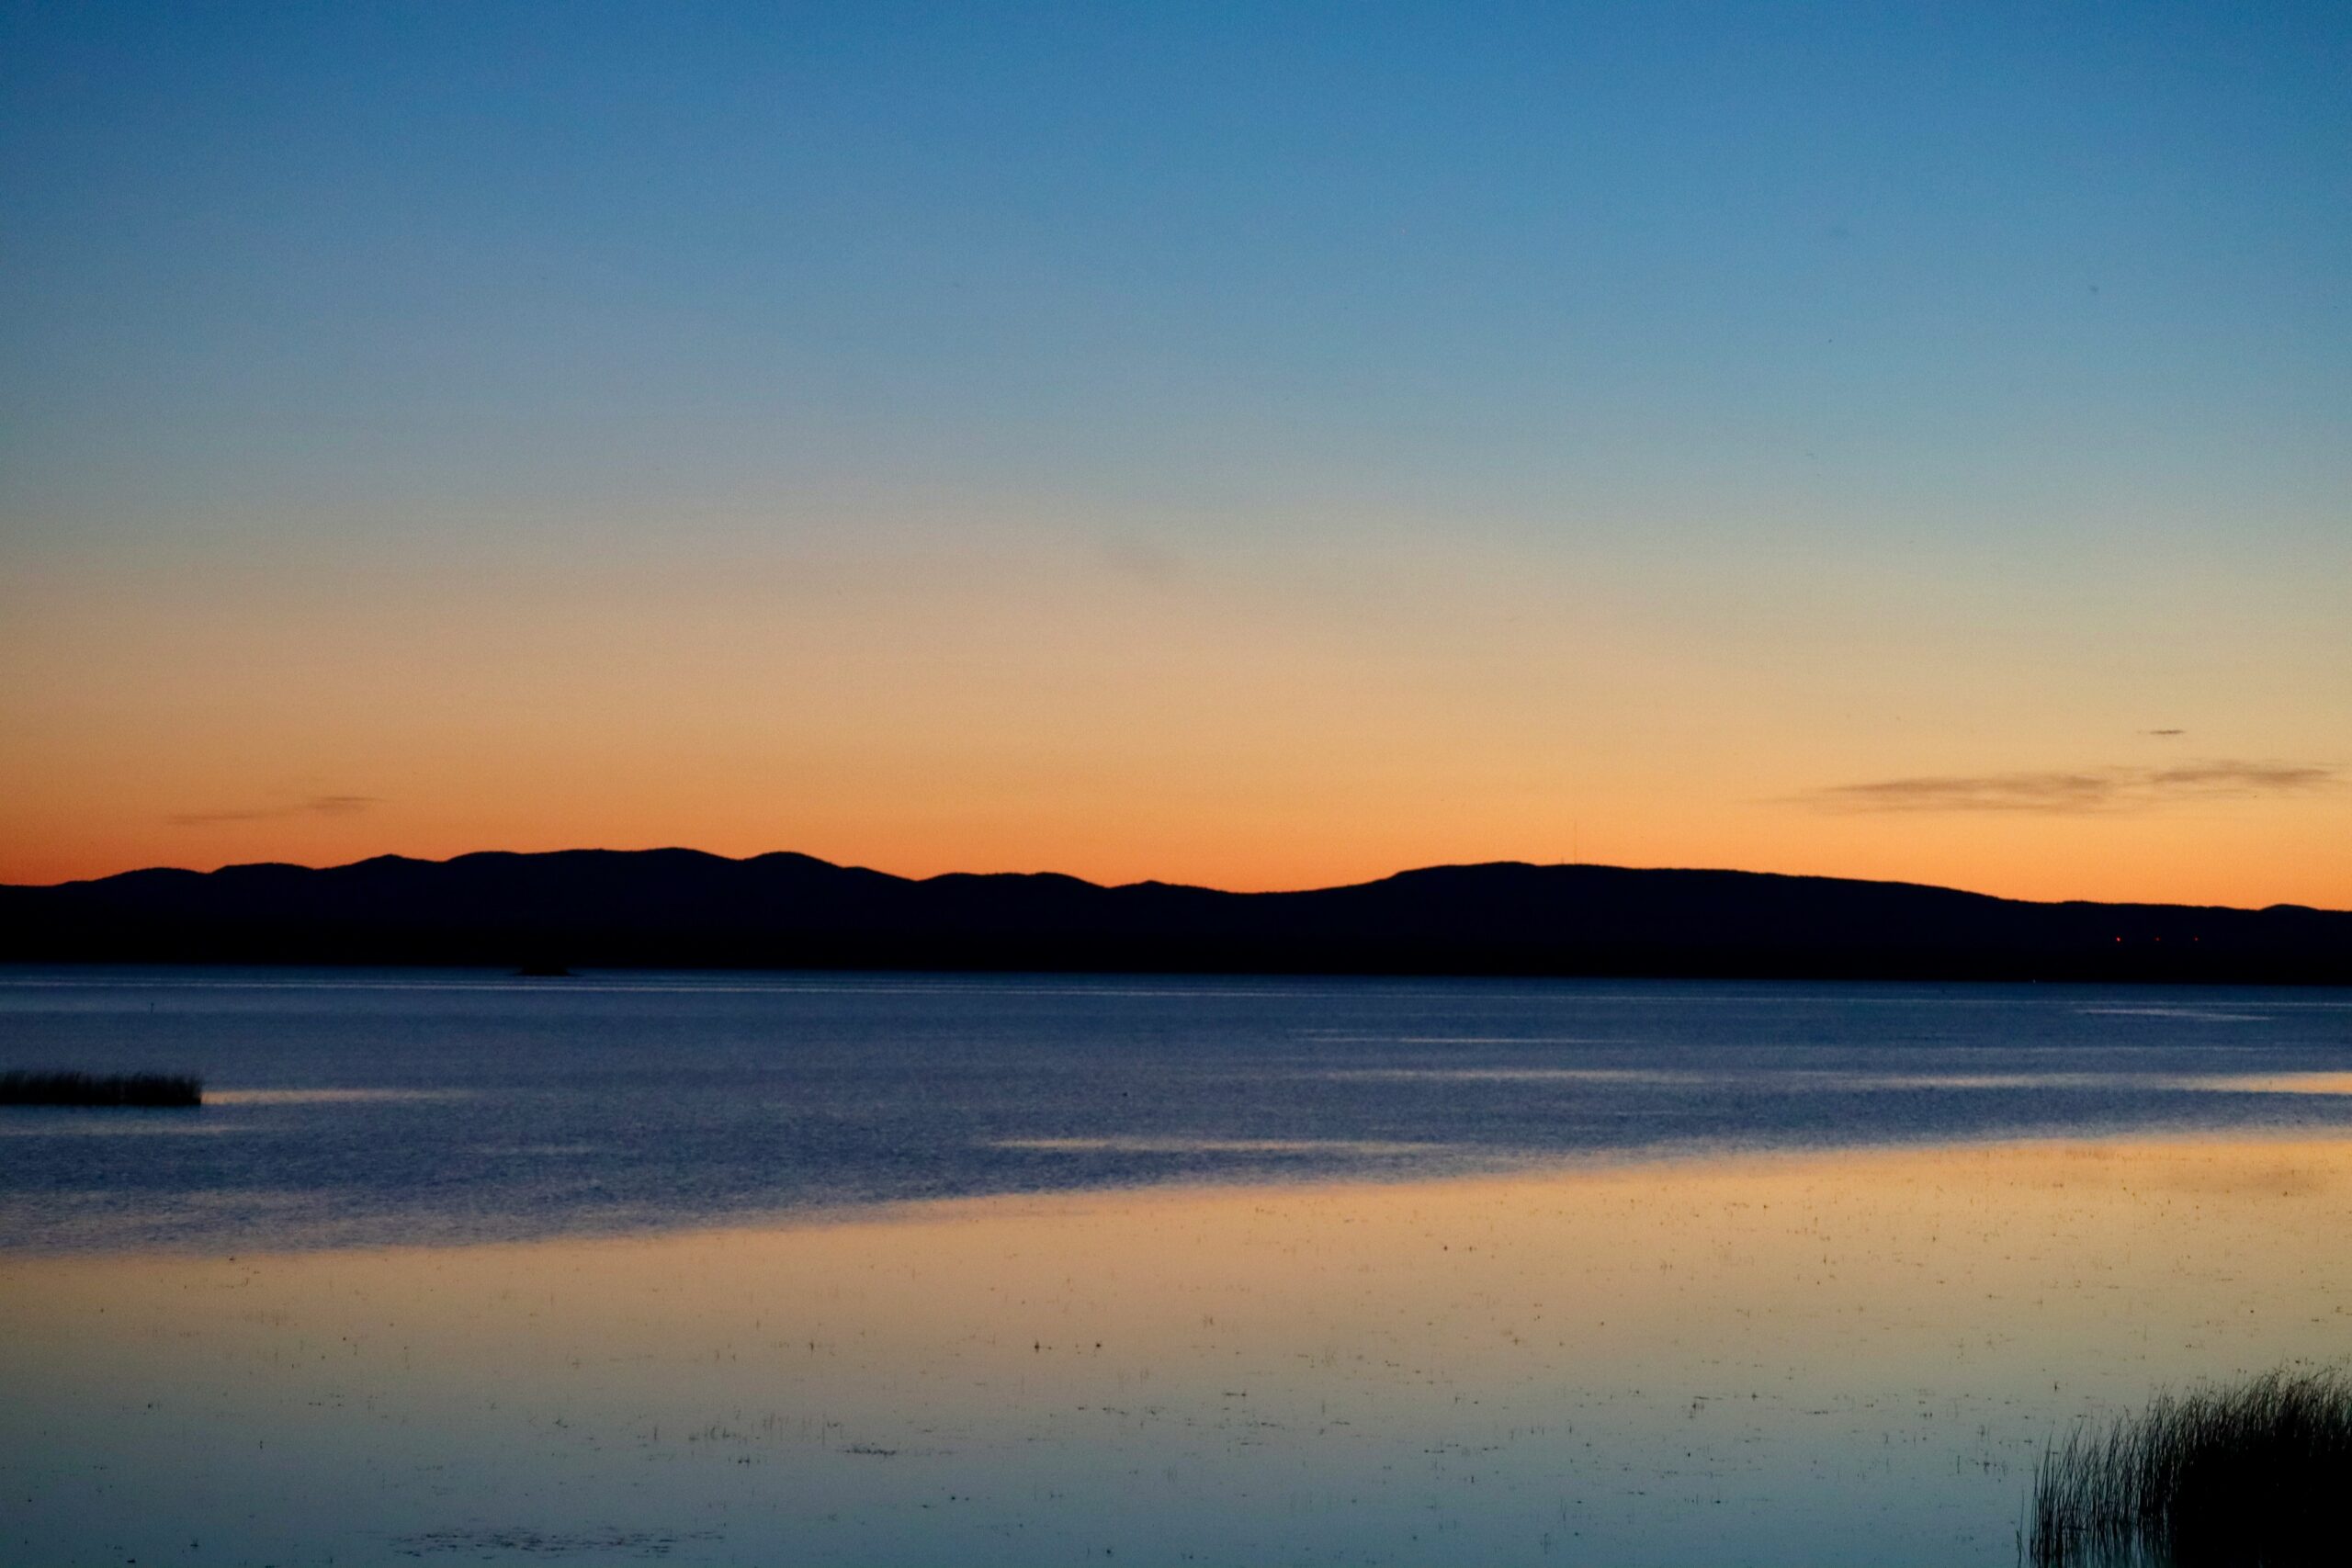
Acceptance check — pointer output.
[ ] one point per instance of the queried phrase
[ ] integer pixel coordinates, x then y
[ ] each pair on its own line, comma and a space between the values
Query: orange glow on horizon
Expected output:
1305, 724
2047, 877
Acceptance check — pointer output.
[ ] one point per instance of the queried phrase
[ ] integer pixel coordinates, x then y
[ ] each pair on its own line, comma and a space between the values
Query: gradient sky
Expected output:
1263, 446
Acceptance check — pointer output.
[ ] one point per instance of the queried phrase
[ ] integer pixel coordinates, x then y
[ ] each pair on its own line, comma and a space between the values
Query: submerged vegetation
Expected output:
2251, 1477
99, 1088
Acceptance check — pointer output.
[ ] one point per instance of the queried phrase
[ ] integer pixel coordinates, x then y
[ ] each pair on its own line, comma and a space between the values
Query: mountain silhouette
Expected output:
683, 907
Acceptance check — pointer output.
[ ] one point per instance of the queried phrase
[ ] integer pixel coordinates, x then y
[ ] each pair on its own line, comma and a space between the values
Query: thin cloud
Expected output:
316, 805
2243, 778
2088, 790
2163, 733
1141, 561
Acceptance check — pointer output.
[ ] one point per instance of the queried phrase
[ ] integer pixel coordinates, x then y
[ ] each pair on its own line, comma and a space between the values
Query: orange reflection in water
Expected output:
1841, 1358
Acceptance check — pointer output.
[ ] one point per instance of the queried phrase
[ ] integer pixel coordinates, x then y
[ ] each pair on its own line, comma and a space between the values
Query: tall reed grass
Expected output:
2258, 1475
99, 1088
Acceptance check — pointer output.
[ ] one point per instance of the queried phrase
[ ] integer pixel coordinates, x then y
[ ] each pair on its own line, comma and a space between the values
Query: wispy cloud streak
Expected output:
316, 805
2087, 790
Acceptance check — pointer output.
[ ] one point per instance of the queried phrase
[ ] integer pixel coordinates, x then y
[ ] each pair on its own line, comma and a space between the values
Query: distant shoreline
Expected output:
679, 909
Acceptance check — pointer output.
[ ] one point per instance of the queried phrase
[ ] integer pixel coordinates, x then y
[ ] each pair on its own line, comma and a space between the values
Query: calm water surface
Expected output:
840, 1269
356, 1107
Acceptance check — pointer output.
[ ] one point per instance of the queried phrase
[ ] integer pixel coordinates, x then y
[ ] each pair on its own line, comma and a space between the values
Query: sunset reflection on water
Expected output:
1789, 1359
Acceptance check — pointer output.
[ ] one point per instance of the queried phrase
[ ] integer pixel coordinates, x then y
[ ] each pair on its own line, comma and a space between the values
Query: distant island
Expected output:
681, 908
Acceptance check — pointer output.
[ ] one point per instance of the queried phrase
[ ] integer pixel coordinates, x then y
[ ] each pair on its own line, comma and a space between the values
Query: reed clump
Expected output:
2255, 1475
101, 1089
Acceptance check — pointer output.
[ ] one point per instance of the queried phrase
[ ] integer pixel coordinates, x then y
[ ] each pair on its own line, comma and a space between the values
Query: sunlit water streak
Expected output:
1849, 1358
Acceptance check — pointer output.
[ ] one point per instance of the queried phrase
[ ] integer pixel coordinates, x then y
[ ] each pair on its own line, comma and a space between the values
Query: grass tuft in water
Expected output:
99, 1088
2251, 1477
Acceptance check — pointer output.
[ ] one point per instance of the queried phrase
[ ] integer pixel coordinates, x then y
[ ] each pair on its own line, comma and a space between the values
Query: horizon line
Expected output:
1155, 882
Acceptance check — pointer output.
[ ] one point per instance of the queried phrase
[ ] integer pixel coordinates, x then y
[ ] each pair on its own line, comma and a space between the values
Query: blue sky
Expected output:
1745, 300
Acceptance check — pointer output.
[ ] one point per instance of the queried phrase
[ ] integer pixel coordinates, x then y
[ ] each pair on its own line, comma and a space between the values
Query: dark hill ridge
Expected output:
684, 908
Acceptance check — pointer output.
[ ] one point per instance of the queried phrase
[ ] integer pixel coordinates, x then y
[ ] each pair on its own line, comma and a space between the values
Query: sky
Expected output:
1261, 446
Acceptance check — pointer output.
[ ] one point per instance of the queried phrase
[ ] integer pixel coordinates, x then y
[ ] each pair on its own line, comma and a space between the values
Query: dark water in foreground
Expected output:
386, 1106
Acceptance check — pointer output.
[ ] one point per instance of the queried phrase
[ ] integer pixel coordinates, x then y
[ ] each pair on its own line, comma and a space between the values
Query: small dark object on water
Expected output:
2249, 1477
101, 1089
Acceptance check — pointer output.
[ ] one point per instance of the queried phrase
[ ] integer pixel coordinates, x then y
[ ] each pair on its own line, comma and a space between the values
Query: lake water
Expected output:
854, 1270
